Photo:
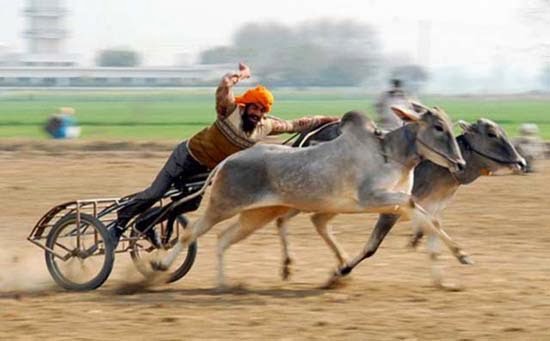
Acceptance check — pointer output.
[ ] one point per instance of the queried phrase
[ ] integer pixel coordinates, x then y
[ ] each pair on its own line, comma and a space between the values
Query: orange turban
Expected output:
259, 95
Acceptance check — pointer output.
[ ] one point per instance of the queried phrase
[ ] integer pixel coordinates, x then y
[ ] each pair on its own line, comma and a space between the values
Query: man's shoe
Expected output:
115, 232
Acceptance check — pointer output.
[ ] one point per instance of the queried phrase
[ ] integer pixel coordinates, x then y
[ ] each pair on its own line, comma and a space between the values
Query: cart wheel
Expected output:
140, 247
79, 259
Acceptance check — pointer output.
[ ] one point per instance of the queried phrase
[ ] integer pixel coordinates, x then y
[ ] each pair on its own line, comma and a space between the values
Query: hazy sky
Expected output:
477, 33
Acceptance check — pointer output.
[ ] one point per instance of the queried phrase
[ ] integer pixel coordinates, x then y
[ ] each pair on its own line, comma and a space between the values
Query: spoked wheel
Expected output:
79, 257
141, 247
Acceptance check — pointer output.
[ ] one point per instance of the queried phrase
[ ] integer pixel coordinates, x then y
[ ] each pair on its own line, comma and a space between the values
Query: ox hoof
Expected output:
158, 266
285, 273
338, 278
453, 287
413, 243
225, 288
222, 289
465, 259
344, 271
287, 269
335, 281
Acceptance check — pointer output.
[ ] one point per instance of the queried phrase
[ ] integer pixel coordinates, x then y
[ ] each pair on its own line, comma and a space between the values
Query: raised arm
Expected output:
280, 126
225, 101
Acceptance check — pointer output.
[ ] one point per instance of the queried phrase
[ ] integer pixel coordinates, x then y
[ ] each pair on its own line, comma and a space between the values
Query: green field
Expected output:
177, 114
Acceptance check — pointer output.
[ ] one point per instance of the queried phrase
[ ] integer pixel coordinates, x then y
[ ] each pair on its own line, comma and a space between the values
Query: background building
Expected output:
56, 76
46, 62
46, 34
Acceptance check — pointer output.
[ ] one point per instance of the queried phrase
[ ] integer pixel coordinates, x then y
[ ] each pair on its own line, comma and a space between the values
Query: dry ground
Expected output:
503, 222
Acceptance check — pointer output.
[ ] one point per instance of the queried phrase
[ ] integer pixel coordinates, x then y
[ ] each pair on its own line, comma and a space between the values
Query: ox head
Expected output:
490, 142
434, 135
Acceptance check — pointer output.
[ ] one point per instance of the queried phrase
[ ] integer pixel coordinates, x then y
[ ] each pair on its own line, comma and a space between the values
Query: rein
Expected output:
492, 158
440, 154
433, 150
291, 138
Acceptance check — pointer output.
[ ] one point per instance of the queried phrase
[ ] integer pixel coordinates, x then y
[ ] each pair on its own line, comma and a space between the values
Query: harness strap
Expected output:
313, 132
382, 144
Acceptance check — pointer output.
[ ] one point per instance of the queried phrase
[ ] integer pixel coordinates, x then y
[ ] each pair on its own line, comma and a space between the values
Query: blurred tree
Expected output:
413, 76
217, 55
118, 57
536, 14
316, 53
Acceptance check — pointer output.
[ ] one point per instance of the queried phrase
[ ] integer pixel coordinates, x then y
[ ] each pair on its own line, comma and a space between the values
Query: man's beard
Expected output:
248, 124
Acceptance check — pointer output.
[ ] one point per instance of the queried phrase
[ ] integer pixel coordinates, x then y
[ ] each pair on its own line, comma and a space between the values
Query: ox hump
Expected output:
356, 122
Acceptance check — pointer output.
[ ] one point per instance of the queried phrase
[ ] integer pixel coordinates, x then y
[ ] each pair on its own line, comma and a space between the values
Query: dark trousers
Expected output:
179, 165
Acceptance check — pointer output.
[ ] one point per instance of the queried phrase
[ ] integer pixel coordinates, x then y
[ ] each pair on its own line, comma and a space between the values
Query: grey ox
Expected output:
355, 173
486, 149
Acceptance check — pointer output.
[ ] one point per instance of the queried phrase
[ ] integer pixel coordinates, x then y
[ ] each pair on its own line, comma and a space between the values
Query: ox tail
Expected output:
208, 181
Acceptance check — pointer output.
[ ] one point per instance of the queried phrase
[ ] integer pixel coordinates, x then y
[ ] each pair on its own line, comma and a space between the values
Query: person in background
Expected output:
396, 95
63, 124
530, 145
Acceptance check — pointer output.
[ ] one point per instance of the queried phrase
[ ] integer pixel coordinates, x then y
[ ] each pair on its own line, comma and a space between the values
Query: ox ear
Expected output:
465, 125
405, 114
418, 107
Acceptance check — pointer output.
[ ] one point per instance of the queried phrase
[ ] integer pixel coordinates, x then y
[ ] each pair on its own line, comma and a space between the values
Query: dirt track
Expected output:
503, 222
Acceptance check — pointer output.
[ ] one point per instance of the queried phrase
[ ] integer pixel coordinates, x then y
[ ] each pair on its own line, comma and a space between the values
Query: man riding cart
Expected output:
241, 122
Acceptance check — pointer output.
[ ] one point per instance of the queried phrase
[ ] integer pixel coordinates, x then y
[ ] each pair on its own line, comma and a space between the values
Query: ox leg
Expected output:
320, 221
421, 218
437, 269
249, 221
416, 237
282, 228
434, 251
197, 229
392, 204
383, 226
402, 203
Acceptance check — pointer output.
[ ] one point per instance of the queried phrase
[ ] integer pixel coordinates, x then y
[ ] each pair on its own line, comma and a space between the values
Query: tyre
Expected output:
86, 254
141, 247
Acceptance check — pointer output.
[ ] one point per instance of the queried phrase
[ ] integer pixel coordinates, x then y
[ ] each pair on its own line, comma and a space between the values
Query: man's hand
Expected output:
233, 78
244, 71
